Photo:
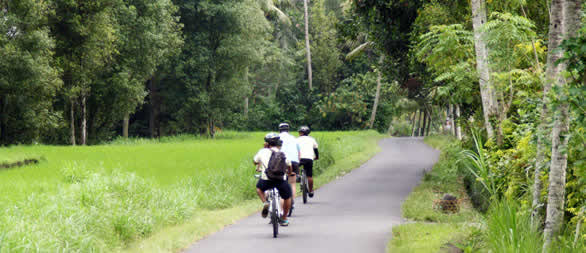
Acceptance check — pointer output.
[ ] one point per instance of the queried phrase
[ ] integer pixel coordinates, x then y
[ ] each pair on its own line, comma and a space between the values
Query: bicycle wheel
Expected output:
275, 218
304, 187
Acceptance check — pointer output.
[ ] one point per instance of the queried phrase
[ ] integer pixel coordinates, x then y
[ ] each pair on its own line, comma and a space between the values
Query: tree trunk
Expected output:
83, 120
246, 107
125, 125
430, 113
455, 119
3, 119
551, 75
152, 107
377, 95
458, 127
422, 132
307, 49
72, 119
560, 136
452, 121
487, 92
415, 123
418, 130
276, 89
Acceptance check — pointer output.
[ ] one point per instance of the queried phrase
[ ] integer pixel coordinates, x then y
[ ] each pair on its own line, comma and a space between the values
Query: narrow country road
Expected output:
352, 214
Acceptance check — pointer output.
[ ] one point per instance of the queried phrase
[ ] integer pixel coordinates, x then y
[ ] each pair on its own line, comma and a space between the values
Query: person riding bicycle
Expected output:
291, 150
261, 160
307, 153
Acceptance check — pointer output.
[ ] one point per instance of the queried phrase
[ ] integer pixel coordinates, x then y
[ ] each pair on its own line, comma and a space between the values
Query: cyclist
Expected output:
307, 153
291, 150
261, 160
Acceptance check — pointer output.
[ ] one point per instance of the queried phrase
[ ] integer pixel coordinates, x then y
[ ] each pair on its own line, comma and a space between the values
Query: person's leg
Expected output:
293, 179
261, 187
286, 207
309, 172
261, 195
285, 192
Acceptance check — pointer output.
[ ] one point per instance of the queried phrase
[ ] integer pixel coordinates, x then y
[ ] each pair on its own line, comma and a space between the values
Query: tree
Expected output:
85, 37
552, 75
487, 91
149, 35
221, 41
28, 76
307, 47
326, 55
571, 20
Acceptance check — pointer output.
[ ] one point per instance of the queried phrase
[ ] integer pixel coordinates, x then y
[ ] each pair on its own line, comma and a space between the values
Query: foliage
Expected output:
28, 74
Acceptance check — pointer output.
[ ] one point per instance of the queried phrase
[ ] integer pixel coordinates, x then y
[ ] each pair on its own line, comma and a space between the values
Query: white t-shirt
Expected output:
306, 146
262, 158
290, 146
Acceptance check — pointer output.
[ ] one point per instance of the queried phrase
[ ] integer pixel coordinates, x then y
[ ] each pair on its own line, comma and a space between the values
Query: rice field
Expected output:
101, 198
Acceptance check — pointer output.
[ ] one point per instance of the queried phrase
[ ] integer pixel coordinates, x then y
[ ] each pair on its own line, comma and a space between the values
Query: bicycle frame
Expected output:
273, 196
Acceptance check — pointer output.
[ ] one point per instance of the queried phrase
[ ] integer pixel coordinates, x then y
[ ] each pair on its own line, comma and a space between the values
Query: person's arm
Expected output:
315, 149
256, 161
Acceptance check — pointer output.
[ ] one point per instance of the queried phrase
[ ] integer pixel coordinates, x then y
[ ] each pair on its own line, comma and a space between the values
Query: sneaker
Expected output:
265, 210
310, 194
284, 223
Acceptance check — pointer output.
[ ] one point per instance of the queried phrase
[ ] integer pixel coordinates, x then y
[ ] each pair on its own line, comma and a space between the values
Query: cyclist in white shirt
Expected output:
307, 153
261, 159
291, 150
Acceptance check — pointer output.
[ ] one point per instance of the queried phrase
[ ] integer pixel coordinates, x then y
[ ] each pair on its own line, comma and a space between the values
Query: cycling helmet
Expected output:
305, 130
284, 126
273, 139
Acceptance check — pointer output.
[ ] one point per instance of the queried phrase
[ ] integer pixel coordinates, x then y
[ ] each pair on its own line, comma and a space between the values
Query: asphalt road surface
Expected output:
352, 214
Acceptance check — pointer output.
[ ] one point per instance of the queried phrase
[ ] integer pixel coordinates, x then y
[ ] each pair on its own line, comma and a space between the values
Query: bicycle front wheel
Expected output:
275, 219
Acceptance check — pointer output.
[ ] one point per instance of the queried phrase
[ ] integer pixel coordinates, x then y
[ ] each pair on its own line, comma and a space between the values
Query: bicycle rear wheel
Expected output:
275, 218
304, 187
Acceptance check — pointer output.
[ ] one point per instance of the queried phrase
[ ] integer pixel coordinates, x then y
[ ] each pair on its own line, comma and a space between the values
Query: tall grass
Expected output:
101, 198
509, 229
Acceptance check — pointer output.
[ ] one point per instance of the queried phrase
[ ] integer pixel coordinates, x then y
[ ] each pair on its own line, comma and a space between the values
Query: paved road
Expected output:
352, 214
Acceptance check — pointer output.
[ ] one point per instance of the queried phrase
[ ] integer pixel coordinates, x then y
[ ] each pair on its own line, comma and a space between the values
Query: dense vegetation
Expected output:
102, 198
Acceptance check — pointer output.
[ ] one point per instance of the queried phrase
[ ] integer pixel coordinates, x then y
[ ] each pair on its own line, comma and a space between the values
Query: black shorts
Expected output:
281, 185
307, 166
295, 167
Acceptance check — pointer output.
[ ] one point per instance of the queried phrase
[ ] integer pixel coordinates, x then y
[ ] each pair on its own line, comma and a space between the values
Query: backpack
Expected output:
277, 166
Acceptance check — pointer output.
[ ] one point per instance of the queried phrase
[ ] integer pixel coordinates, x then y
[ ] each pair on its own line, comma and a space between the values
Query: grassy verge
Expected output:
432, 229
172, 191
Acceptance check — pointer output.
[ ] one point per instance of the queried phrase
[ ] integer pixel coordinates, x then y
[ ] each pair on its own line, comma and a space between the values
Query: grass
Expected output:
428, 237
432, 229
112, 196
442, 179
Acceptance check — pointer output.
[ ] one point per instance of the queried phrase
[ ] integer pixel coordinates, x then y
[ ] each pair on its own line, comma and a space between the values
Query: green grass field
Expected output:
105, 197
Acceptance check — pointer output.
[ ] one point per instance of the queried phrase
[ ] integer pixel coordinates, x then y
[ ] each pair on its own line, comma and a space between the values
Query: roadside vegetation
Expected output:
487, 221
106, 197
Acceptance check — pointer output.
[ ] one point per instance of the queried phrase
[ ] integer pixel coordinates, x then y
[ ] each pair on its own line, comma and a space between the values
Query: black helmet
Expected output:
273, 139
284, 126
305, 130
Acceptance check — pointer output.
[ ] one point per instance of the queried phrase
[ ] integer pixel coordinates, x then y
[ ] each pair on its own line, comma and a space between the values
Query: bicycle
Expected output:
304, 185
275, 210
